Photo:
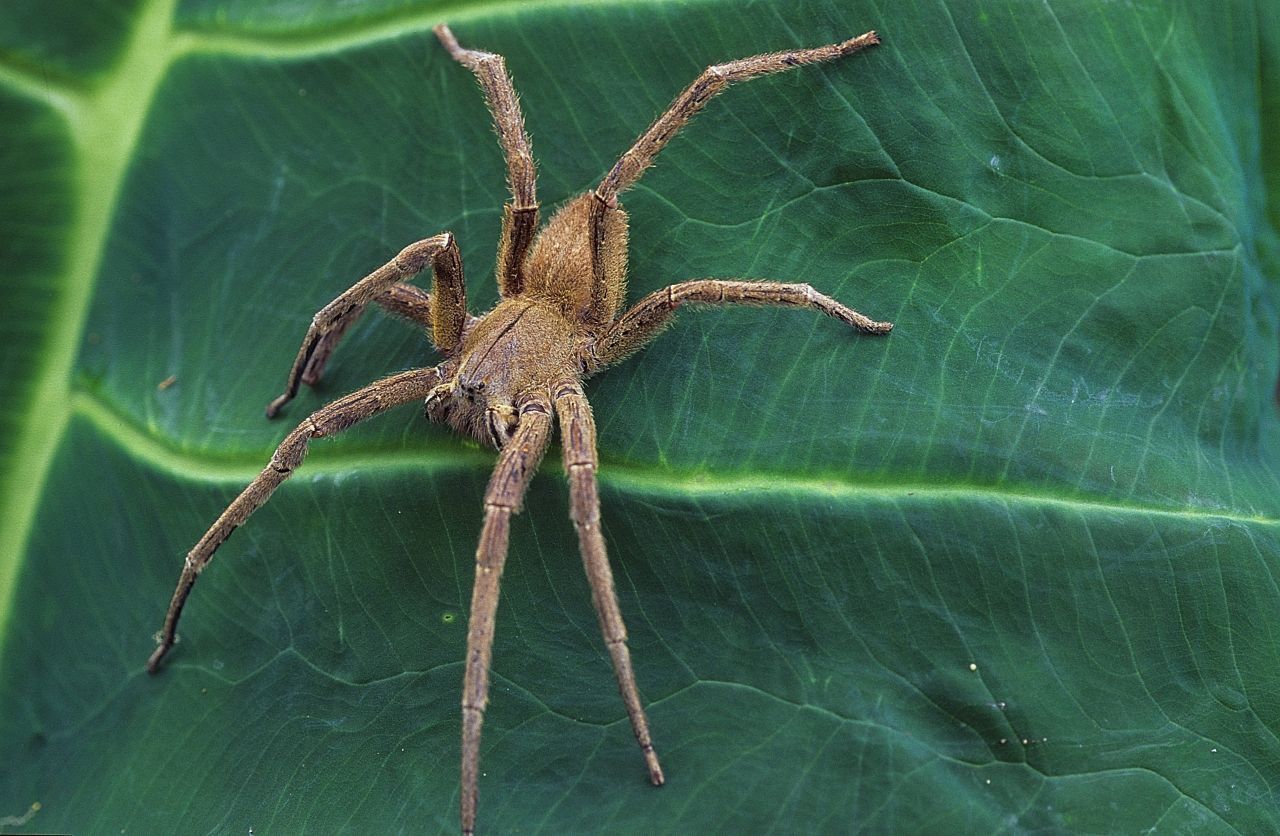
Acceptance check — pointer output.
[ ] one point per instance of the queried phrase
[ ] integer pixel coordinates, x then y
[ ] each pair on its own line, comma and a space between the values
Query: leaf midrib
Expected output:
631, 477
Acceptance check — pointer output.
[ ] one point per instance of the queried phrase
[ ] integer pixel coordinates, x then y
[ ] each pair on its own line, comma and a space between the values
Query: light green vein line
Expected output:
654, 481
49, 90
35, 82
69, 96
285, 44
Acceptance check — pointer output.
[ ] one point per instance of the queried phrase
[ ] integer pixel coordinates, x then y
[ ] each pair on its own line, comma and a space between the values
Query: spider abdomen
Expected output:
558, 268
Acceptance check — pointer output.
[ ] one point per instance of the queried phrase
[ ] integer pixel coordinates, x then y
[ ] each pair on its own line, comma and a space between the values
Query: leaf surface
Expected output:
1012, 568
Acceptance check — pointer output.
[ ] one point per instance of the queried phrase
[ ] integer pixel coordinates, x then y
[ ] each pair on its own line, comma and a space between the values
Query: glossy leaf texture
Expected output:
1012, 568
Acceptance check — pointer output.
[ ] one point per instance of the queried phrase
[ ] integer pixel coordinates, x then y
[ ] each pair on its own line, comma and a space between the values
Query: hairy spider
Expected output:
506, 373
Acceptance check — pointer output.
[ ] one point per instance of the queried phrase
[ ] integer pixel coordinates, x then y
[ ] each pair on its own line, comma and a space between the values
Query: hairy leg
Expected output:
448, 308
337, 416
408, 302
517, 462
633, 330
692, 99
402, 300
520, 216
578, 437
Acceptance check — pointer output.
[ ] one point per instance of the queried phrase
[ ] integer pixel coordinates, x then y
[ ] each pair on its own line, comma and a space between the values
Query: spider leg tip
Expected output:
655, 769
862, 41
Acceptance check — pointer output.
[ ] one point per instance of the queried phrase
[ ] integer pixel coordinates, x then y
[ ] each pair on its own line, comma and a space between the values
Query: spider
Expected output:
507, 373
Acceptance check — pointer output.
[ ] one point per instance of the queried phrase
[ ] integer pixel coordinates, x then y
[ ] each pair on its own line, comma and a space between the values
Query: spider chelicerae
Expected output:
507, 373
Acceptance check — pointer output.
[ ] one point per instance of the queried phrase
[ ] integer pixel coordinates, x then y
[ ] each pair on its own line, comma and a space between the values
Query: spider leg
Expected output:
448, 306
403, 300
692, 99
408, 302
578, 438
637, 327
517, 462
520, 216
333, 418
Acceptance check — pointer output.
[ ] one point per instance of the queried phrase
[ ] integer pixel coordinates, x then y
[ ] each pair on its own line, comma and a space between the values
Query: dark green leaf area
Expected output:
806, 654
36, 196
1268, 196
1067, 252
66, 38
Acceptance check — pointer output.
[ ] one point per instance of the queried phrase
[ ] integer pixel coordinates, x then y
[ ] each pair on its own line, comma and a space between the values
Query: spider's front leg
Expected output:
447, 307
403, 300
520, 216
337, 416
517, 462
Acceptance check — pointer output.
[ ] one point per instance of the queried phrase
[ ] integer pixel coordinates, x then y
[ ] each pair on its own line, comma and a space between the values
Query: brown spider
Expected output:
506, 373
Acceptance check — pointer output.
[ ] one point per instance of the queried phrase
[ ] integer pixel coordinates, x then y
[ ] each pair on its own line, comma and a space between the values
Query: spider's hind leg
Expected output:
337, 416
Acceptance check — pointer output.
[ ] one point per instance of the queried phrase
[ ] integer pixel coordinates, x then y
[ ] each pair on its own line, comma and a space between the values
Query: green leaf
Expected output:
1011, 568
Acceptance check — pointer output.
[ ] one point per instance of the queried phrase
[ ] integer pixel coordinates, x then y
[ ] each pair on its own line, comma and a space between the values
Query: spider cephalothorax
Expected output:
506, 374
